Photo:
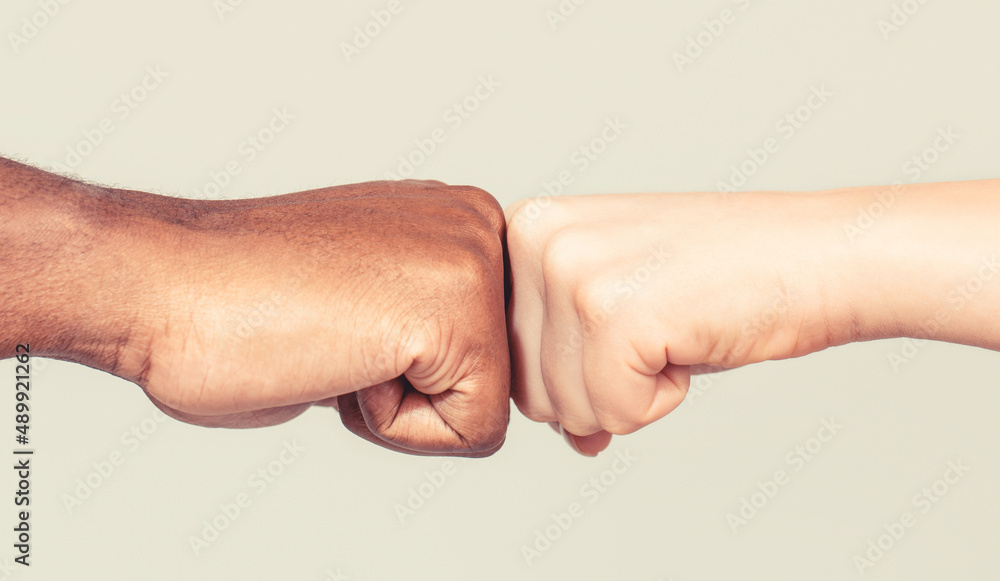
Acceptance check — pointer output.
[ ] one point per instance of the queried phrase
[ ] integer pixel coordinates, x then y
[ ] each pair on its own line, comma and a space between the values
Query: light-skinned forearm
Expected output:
926, 266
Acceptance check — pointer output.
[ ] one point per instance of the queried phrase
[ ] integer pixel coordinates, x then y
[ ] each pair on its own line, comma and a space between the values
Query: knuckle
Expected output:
484, 203
534, 410
579, 427
480, 207
484, 432
620, 426
518, 228
476, 242
531, 222
592, 298
563, 255
487, 441
469, 266
475, 270
512, 211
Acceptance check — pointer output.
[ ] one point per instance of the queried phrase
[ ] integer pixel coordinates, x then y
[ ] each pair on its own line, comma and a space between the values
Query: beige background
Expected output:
330, 514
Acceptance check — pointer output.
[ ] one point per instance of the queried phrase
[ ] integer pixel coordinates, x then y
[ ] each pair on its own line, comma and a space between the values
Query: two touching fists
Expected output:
418, 309
410, 306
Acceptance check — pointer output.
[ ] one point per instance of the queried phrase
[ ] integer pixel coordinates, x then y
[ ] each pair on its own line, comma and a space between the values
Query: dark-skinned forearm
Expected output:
68, 271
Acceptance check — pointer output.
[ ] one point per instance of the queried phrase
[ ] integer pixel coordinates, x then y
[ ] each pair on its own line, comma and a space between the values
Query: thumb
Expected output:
455, 422
354, 420
590, 445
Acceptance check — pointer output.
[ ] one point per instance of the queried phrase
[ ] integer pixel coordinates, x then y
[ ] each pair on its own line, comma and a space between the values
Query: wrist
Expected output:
77, 292
863, 286
856, 263
809, 267
923, 258
804, 284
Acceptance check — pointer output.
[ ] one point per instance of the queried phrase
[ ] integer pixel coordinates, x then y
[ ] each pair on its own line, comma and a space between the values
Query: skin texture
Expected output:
384, 299
617, 300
